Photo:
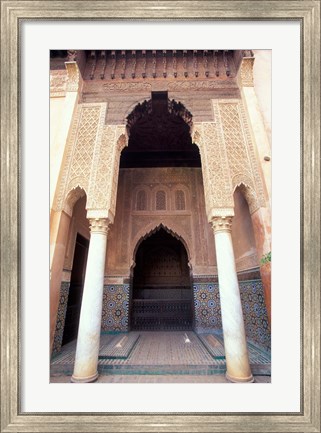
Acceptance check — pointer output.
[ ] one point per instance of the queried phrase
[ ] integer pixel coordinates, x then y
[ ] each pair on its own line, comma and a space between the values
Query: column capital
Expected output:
221, 224
99, 225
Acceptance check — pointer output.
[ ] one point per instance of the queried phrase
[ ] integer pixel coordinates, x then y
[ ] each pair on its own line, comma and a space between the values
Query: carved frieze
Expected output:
171, 85
201, 85
126, 86
58, 79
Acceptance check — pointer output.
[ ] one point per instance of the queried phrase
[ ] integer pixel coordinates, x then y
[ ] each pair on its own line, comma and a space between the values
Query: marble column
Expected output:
88, 341
237, 359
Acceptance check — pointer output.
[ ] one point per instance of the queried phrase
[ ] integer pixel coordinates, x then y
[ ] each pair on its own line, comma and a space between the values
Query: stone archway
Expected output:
161, 292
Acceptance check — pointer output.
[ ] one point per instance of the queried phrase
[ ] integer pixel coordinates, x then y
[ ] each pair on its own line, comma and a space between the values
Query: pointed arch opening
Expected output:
242, 230
162, 297
159, 131
75, 263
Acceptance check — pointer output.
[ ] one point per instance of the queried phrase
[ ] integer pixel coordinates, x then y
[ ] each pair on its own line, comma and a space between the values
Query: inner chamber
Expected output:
162, 291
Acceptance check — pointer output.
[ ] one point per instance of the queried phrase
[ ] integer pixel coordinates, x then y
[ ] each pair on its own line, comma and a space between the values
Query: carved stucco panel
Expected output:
85, 132
74, 79
215, 169
105, 168
58, 80
246, 72
241, 158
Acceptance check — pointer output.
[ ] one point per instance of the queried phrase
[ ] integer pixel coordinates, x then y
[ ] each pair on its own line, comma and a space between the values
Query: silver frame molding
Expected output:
308, 13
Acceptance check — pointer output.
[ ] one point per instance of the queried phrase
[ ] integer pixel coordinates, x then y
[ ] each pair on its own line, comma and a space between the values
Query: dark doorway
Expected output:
162, 293
76, 289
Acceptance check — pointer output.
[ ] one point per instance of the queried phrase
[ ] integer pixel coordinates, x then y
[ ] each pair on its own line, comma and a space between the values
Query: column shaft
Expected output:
86, 362
237, 360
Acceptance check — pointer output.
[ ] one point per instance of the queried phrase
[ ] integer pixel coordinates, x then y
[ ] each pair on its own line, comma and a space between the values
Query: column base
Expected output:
88, 379
233, 379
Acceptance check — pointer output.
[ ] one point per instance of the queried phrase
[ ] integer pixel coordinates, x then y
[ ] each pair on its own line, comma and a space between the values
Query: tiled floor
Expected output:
161, 357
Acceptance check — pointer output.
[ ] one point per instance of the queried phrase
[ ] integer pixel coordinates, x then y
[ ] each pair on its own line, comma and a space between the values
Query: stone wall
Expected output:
190, 224
132, 223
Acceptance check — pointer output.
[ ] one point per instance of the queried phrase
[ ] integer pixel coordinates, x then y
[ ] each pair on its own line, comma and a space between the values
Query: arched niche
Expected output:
161, 293
242, 231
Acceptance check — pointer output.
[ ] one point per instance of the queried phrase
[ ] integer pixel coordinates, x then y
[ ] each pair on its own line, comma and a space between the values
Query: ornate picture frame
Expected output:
13, 13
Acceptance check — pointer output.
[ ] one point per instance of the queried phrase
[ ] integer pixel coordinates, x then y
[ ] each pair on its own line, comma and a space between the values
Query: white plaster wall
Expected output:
262, 73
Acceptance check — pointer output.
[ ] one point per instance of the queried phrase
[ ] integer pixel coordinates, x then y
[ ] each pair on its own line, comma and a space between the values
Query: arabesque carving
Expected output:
242, 162
73, 196
85, 133
201, 85
58, 80
215, 169
74, 78
105, 169
247, 192
246, 72
125, 87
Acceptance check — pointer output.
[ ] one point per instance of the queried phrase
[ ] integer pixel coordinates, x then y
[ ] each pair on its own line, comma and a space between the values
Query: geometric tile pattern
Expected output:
254, 312
61, 316
115, 308
208, 310
164, 353
207, 307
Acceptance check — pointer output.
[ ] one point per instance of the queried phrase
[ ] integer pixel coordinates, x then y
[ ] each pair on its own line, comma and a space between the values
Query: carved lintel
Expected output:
99, 225
222, 224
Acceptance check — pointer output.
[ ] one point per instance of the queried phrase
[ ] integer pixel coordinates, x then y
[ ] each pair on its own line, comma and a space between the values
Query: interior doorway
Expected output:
76, 289
162, 292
